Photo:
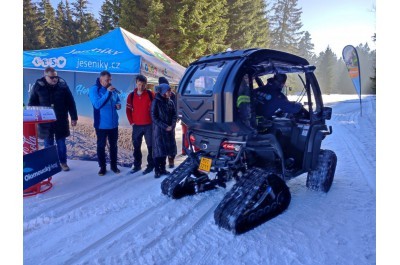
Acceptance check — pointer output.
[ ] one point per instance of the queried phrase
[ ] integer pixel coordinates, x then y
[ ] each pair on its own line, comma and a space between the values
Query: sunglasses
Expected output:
53, 77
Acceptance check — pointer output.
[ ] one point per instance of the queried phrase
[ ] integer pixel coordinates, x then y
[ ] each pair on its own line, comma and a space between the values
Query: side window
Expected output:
203, 80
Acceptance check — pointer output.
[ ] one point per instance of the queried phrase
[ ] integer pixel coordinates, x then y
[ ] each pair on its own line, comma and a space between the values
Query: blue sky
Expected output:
334, 23
338, 23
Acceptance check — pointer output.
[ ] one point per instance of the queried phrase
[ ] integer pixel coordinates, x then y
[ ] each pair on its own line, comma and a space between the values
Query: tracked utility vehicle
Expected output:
259, 154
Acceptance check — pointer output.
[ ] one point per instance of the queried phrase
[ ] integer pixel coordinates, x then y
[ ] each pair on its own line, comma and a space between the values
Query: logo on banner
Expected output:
29, 145
352, 62
143, 49
150, 69
58, 62
165, 72
27, 169
162, 57
40, 165
95, 51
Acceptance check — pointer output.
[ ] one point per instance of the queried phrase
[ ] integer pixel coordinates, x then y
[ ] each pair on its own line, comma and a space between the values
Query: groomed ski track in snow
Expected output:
124, 218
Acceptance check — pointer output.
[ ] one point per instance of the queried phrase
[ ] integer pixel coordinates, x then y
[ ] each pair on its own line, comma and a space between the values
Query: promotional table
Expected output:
32, 117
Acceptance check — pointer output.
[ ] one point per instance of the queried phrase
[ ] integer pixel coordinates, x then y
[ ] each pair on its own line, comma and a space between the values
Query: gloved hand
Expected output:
302, 114
279, 113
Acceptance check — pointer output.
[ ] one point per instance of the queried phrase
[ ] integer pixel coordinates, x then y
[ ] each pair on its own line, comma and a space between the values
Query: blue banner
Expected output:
40, 165
108, 52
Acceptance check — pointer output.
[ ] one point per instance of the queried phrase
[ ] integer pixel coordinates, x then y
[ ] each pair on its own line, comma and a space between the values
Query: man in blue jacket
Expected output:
106, 102
270, 98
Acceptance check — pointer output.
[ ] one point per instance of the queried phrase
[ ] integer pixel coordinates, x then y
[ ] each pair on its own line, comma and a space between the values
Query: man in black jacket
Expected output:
270, 99
52, 91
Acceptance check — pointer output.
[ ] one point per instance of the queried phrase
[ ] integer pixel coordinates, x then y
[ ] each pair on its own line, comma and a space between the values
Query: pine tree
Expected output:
152, 29
48, 20
367, 67
183, 29
86, 25
170, 28
306, 48
262, 32
248, 25
343, 83
202, 28
285, 22
70, 26
373, 77
134, 15
62, 35
327, 71
32, 30
110, 14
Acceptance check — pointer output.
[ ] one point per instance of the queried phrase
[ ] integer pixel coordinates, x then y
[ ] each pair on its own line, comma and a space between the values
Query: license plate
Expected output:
205, 164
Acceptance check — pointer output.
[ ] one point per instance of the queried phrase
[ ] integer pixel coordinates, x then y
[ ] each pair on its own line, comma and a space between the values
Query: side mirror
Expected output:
326, 113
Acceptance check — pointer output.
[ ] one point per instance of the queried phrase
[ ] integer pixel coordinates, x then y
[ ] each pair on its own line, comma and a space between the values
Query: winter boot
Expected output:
64, 166
163, 171
115, 169
135, 169
102, 171
157, 174
171, 162
148, 170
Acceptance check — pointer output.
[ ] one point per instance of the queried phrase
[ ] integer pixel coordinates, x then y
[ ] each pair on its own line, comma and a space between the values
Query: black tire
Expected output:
321, 178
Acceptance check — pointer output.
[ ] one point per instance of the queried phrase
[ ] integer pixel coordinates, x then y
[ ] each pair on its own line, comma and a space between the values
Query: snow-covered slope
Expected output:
124, 218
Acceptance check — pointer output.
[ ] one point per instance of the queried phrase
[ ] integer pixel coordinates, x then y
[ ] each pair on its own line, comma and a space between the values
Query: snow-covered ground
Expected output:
124, 218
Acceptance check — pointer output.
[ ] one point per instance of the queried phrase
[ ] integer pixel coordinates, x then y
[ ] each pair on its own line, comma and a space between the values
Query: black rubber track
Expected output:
171, 186
251, 202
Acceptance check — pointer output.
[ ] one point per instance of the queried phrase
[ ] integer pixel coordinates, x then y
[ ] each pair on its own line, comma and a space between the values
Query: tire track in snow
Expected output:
117, 231
166, 232
352, 142
359, 158
88, 196
161, 243
206, 246
172, 234
196, 246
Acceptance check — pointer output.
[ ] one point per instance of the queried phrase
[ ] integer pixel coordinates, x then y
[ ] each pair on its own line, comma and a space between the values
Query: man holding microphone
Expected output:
106, 102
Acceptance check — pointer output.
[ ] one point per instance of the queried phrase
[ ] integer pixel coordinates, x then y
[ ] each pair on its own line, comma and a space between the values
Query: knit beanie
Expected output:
163, 80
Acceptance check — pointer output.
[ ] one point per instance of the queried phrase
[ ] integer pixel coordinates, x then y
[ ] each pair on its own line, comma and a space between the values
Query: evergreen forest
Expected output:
188, 29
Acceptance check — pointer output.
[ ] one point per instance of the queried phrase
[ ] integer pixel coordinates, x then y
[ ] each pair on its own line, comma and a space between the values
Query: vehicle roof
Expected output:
258, 54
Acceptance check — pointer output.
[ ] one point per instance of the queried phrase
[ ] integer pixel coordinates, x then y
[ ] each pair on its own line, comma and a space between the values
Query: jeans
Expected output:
61, 147
138, 131
102, 135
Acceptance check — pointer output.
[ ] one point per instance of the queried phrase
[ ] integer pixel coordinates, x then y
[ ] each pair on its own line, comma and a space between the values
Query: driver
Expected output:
270, 98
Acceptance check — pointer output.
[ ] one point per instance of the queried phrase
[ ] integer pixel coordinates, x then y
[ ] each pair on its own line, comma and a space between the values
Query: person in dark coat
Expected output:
163, 114
53, 91
270, 98
163, 80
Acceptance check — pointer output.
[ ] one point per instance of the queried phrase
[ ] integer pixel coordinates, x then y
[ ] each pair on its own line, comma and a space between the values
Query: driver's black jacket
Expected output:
269, 99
